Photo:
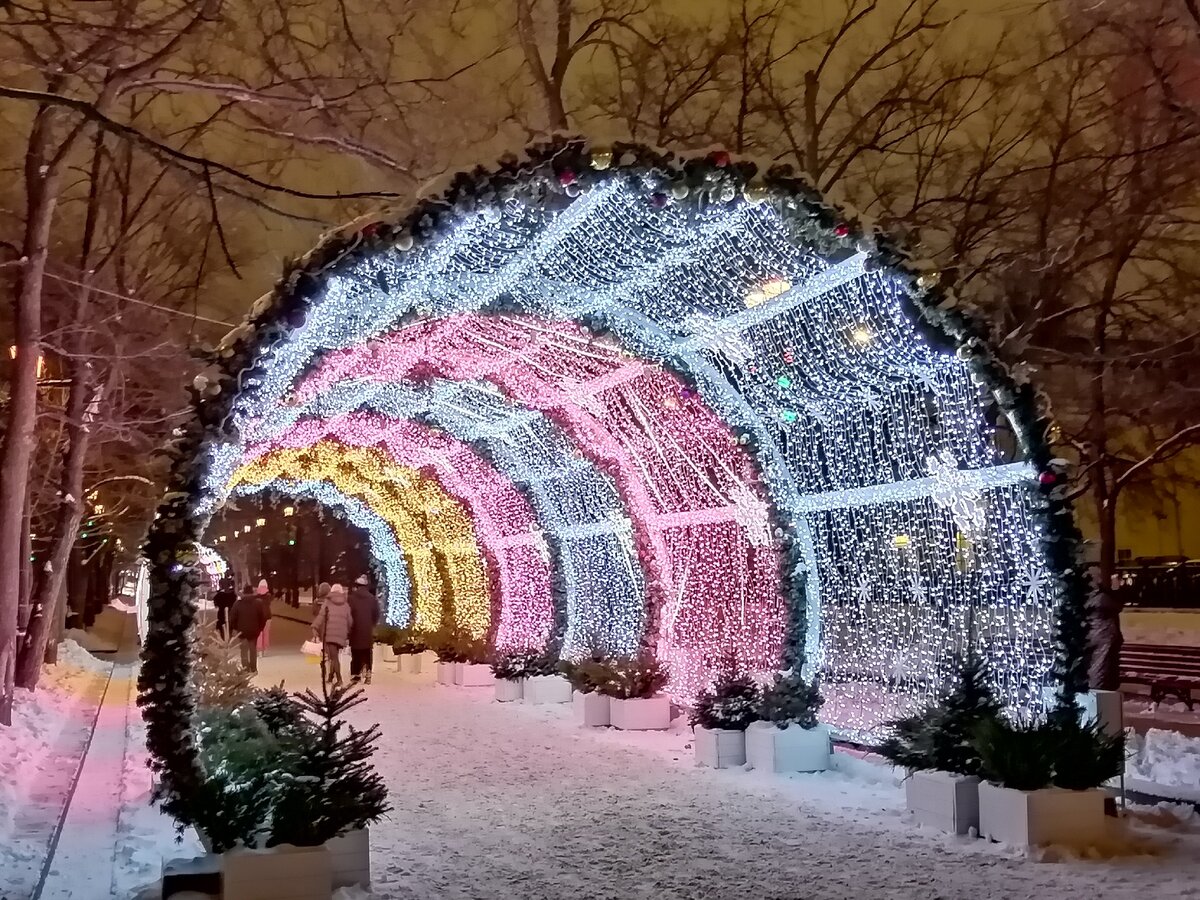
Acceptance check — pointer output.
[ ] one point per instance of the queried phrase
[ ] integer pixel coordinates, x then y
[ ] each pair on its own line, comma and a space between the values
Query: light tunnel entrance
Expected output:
612, 401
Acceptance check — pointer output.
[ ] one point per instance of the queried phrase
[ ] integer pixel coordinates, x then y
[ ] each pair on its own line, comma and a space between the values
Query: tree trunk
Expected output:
22, 411
1105, 608
66, 526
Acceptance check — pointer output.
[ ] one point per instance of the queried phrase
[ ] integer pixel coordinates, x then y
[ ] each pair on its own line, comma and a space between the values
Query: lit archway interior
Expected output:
611, 400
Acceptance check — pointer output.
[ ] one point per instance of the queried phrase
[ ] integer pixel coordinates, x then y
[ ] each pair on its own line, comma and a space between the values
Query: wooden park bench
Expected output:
1168, 671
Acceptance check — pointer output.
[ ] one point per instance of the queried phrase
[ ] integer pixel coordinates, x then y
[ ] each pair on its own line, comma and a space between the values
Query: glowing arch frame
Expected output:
568, 168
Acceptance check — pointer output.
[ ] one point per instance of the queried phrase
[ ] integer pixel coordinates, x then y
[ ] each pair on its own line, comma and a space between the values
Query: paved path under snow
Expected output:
517, 802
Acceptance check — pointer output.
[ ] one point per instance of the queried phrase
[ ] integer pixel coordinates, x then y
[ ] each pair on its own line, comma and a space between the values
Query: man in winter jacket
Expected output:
223, 600
332, 628
247, 621
365, 610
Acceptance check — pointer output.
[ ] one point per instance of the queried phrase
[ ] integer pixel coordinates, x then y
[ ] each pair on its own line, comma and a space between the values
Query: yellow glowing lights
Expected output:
861, 335
442, 552
902, 541
289, 511
768, 290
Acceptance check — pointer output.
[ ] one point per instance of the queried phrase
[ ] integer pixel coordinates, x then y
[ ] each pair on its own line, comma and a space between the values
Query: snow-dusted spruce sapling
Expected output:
788, 738
591, 706
407, 642
1043, 780
512, 666
218, 678
720, 718
385, 634
937, 747
941, 737
633, 687
730, 704
327, 786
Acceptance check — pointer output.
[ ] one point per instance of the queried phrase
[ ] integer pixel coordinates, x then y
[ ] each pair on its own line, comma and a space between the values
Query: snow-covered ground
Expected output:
1167, 760
39, 755
1161, 626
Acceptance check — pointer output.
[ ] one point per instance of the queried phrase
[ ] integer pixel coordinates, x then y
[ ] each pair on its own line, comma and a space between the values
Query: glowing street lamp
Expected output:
289, 511
261, 522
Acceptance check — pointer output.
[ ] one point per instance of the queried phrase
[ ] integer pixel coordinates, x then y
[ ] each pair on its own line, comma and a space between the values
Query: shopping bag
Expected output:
311, 648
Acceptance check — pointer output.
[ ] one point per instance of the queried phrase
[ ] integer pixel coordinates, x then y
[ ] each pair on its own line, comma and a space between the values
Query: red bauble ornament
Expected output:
567, 177
721, 158
1048, 478
369, 229
841, 229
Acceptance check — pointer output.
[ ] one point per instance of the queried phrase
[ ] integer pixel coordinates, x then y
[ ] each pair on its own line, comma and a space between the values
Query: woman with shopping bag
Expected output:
332, 628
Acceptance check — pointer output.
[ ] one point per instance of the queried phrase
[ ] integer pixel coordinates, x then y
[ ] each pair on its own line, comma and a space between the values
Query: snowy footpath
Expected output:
514, 801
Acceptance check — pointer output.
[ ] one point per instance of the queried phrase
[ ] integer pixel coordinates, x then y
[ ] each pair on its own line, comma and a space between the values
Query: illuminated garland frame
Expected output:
566, 166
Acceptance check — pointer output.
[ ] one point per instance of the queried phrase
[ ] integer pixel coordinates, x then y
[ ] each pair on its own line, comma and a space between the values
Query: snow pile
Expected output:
39, 756
1166, 758
72, 654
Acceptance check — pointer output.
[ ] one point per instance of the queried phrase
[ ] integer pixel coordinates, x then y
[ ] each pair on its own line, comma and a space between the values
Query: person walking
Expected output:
264, 597
246, 621
320, 596
223, 599
364, 608
332, 628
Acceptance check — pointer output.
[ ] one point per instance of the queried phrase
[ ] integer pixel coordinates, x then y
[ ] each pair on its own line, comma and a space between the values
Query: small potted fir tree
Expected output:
1043, 780
544, 681
510, 670
788, 737
720, 718
589, 703
414, 657
472, 668
384, 651
635, 700
448, 648
937, 748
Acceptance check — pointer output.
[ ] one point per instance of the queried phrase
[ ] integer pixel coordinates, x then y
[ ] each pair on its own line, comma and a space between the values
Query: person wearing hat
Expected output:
364, 607
332, 628
246, 621
264, 597
319, 599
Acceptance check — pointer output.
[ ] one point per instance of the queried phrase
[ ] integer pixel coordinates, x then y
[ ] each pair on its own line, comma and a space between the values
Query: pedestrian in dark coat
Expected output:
247, 621
264, 597
223, 600
364, 607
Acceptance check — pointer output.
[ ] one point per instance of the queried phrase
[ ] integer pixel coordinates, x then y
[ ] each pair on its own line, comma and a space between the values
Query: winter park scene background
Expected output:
604, 449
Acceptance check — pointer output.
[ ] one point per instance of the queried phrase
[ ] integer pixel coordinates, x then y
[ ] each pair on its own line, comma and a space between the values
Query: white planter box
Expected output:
350, 859
278, 873
445, 672
640, 713
720, 748
473, 675
384, 657
943, 800
591, 709
419, 666
791, 749
547, 689
507, 691
1045, 816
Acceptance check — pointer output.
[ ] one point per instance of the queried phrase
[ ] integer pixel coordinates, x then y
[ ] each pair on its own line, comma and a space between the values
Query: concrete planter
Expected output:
278, 873
547, 689
791, 749
419, 666
507, 691
943, 800
473, 675
640, 713
383, 657
1045, 816
591, 709
720, 748
445, 672
350, 859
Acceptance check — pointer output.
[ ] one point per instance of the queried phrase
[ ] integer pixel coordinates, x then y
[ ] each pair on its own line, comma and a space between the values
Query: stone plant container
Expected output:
419, 666
278, 873
473, 675
792, 749
720, 748
1045, 816
383, 657
445, 672
547, 689
592, 709
508, 690
943, 800
640, 713
350, 859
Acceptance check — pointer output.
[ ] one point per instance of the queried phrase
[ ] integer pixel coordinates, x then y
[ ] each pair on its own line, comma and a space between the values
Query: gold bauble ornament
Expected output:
601, 159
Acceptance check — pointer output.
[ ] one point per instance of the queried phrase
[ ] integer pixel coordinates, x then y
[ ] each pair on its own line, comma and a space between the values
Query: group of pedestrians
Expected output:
341, 621
346, 621
248, 616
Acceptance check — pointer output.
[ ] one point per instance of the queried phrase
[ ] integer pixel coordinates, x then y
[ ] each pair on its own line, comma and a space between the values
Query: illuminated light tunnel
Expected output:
741, 431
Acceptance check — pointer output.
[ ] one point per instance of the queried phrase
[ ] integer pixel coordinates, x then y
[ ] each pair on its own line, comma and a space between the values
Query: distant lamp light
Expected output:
261, 522
98, 509
246, 529
861, 335
221, 539
289, 510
